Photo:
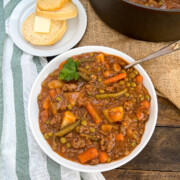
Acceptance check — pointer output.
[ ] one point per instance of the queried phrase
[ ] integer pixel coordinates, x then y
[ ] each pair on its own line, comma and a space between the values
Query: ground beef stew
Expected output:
92, 110
163, 4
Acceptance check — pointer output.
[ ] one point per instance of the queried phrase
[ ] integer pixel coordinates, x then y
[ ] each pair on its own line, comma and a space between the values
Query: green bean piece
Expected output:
68, 145
111, 95
63, 140
92, 130
46, 136
101, 91
58, 98
67, 129
69, 106
93, 138
83, 70
85, 60
54, 144
84, 76
84, 123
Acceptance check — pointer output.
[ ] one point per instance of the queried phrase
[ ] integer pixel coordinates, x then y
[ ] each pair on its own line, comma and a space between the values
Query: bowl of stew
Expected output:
88, 113
149, 20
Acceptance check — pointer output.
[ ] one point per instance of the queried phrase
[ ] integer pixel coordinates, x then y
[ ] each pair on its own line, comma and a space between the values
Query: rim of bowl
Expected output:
74, 165
151, 8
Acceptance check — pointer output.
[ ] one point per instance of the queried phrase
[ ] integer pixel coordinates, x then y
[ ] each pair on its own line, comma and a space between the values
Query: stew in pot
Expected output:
163, 4
92, 110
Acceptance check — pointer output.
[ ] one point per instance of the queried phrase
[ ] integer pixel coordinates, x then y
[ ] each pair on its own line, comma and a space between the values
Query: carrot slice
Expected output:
52, 93
97, 119
46, 103
140, 114
91, 153
119, 137
139, 79
103, 157
115, 78
145, 104
61, 65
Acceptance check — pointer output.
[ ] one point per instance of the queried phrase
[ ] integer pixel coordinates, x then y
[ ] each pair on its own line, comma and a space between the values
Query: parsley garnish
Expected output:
69, 70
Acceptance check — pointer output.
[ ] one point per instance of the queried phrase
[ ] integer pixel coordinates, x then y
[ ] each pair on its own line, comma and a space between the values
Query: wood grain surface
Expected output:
160, 159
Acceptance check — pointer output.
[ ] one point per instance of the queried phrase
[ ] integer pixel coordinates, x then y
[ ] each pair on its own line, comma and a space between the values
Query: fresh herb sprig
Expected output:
69, 70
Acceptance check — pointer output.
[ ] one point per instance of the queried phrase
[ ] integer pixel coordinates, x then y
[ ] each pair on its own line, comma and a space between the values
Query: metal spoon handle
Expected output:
166, 50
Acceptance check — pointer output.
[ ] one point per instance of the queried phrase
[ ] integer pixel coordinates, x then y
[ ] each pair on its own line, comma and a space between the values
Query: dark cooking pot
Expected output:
140, 22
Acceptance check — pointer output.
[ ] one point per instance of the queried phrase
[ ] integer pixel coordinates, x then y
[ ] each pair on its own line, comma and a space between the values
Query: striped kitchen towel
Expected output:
20, 156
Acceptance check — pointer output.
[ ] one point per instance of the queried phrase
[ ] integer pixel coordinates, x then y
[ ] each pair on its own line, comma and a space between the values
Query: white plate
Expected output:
33, 111
74, 33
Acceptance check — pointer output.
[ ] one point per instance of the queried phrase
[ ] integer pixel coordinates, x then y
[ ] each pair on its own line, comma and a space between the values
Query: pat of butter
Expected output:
42, 25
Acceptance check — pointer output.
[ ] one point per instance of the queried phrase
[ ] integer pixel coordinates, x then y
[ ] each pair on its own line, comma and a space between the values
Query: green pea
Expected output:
132, 75
133, 100
91, 54
135, 118
108, 160
69, 106
63, 140
131, 88
58, 98
133, 84
135, 72
51, 74
84, 123
101, 91
50, 134
99, 68
128, 84
126, 94
123, 71
131, 95
68, 145
77, 129
121, 83
87, 66
142, 98
133, 144
92, 129
46, 136
47, 122
99, 79
147, 97
126, 79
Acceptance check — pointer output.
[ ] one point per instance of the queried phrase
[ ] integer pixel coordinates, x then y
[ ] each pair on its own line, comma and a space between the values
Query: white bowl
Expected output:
33, 111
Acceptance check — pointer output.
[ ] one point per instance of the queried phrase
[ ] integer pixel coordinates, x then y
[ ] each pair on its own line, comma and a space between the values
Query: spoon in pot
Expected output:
166, 50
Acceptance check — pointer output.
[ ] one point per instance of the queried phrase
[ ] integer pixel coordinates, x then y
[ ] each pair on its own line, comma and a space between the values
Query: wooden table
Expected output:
160, 159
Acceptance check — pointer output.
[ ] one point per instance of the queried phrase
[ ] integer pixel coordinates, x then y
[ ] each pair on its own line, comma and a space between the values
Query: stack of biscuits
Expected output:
48, 24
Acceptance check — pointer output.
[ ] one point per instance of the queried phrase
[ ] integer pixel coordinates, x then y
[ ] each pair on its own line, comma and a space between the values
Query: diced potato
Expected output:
114, 114
72, 97
106, 127
46, 103
100, 58
53, 108
68, 119
55, 84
